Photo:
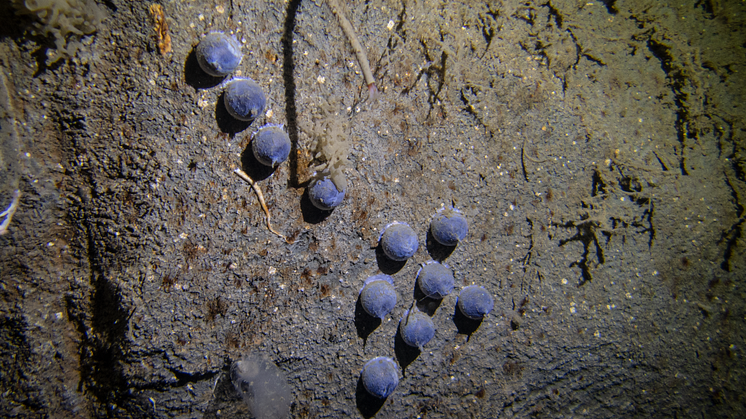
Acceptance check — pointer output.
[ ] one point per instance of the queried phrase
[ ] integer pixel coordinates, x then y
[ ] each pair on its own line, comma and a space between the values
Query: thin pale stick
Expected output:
362, 58
259, 195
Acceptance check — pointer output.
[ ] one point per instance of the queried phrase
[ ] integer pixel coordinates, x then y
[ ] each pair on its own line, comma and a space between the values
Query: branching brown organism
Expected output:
362, 57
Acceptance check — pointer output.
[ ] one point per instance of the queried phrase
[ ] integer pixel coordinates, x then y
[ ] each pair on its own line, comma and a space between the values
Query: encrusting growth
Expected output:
362, 58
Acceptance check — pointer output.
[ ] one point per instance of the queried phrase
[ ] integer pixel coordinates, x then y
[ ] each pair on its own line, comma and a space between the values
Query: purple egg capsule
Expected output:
324, 194
218, 54
271, 145
435, 279
380, 376
449, 226
378, 296
475, 302
398, 241
244, 99
416, 328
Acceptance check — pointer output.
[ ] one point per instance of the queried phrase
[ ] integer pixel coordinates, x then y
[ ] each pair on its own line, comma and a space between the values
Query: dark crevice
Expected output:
707, 7
488, 30
578, 54
102, 351
598, 186
556, 15
610, 6
585, 233
469, 108
663, 165
526, 261
598, 61
730, 237
401, 19
184, 378
103, 320
291, 111
678, 82
433, 71
523, 162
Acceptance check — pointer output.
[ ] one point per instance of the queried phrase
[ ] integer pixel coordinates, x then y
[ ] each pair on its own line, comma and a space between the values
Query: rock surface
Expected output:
596, 148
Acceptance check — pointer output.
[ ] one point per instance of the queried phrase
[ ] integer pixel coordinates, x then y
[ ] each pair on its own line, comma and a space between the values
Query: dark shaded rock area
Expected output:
597, 149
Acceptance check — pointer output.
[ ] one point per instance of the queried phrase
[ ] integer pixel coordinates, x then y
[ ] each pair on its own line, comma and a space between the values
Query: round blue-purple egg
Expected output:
435, 279
378, 296
324, 194
271, 145
398, 241
475, 302
244, 99
380, 376
449, 226
218, 54
416, 328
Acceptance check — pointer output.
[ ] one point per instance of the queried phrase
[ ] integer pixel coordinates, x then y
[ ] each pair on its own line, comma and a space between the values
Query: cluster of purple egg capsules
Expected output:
435, 279
219, 55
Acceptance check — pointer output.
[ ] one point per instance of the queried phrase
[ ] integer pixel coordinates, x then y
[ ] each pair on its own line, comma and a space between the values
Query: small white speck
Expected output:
390, 26
564, 281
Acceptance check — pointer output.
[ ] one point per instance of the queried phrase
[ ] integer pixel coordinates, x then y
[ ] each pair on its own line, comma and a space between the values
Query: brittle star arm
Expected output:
259, 195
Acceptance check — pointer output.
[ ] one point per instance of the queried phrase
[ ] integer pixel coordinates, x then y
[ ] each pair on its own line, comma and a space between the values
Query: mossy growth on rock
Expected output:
66, 21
